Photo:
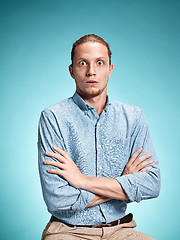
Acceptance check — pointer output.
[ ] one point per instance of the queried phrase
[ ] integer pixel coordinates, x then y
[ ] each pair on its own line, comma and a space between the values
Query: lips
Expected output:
91, 81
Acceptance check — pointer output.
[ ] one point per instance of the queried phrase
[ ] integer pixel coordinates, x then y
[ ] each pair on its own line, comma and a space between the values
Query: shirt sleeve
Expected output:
142, 185
57, 193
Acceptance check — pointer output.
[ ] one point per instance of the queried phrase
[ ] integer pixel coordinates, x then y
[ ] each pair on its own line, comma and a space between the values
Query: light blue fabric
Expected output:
100, 146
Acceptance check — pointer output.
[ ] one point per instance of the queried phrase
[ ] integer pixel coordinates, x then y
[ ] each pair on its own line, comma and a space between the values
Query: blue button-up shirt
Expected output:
101, 146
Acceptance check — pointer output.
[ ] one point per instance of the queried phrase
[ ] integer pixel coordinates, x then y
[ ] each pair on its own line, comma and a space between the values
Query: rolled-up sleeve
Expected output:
142, 185
57, 193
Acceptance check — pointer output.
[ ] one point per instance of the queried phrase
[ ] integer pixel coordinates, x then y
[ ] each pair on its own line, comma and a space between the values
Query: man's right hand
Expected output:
136, 165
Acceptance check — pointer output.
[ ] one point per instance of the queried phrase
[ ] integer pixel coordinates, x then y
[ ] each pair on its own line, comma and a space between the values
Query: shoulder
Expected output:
129, 114
58, 108
130, 111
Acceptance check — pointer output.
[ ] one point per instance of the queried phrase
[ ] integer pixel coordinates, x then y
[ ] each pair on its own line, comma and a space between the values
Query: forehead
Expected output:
91, 50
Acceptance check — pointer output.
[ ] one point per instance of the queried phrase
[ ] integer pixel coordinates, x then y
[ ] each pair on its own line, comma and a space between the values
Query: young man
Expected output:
95, 154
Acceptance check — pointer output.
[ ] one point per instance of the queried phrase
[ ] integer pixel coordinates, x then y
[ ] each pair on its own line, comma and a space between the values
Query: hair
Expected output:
90, 38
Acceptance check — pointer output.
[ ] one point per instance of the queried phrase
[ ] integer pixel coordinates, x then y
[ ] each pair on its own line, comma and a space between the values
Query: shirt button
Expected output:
100, 167
99, 146
98, 124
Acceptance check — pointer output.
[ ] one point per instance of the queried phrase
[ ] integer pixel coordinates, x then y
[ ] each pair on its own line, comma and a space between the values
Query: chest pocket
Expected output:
115, 156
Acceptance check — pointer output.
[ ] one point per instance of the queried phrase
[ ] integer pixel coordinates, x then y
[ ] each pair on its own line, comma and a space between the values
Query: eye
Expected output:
82, 63
100, 62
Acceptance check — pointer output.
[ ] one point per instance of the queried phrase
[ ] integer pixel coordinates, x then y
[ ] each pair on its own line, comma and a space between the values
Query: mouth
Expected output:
91, 82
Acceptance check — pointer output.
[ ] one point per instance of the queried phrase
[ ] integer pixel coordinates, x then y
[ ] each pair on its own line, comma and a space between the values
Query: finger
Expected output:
54, 163
135, 155
144, 164
145, 169
56, 156
142, 158
54, 171
60, 151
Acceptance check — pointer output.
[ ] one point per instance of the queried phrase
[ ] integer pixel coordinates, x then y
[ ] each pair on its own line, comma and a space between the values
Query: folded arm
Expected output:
57, 193
104, 188
145, 184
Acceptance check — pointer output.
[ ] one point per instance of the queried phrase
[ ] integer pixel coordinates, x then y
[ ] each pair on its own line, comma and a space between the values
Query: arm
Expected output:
144, 184
57, 193
134, 165
98, 199
104, 188
110, 187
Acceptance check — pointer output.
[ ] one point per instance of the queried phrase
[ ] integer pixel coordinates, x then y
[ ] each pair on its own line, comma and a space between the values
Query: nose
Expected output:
91, 70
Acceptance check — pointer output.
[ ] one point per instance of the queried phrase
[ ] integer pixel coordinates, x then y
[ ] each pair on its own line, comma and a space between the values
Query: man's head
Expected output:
91, 65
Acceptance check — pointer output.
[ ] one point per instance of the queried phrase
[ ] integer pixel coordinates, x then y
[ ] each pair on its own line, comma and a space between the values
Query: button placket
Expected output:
99, 151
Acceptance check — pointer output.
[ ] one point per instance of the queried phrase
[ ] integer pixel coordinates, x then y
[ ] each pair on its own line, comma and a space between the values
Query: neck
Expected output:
98, 102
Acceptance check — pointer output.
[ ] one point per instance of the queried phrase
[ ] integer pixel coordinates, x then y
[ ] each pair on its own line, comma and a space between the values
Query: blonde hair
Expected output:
90, 38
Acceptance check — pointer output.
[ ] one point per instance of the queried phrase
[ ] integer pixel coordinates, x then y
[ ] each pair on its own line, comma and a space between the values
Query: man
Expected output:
95, 154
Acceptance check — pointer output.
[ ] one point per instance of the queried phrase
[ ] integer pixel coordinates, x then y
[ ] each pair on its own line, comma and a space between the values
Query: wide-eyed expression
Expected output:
91, 69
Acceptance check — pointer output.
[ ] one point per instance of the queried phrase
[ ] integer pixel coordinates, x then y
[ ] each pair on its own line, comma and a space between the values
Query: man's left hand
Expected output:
65, 167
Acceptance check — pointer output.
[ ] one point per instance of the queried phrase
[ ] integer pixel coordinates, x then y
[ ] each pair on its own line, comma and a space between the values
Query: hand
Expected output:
65, 167
136, 165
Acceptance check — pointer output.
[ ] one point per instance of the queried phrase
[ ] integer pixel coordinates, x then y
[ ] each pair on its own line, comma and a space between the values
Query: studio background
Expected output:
35, 40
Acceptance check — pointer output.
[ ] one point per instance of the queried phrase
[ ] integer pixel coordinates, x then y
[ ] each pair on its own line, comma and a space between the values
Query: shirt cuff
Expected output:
130, 189
85, 198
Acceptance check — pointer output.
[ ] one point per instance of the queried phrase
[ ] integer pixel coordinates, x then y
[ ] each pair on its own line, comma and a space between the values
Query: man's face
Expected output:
91, 69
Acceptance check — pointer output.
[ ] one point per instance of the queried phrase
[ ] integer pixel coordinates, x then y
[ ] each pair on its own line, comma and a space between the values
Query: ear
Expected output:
71, 71
110, 69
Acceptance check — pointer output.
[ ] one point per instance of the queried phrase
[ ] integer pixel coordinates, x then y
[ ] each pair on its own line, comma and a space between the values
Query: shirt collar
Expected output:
83, 105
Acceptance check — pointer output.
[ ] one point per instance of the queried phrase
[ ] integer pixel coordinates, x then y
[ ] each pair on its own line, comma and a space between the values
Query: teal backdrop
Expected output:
35, 40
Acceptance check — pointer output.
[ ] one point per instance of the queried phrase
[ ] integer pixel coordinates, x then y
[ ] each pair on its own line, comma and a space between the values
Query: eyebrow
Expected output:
87, 59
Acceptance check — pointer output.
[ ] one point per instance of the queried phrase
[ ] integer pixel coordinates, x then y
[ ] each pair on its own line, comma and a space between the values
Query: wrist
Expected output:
83, 182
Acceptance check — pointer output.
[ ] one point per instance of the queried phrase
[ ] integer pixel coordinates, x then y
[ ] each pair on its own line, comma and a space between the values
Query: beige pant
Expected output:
60, 231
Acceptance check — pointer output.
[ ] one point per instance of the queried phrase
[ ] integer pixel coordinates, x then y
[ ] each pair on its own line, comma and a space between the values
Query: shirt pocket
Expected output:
115, 156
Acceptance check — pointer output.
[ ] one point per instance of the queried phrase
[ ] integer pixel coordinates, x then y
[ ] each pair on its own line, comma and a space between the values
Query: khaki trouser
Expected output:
60, 231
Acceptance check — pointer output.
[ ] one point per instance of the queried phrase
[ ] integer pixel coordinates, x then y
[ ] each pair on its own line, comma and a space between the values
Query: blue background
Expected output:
35, 40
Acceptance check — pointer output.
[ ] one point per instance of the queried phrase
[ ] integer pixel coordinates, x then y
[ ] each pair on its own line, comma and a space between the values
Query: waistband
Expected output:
126, 219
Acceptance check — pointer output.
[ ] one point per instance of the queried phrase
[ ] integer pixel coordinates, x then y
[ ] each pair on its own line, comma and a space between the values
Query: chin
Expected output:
91, 93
